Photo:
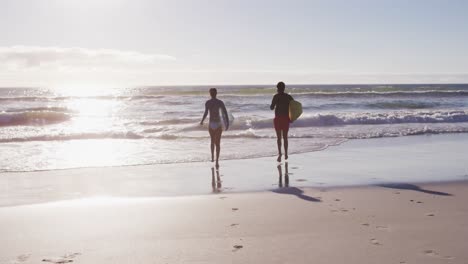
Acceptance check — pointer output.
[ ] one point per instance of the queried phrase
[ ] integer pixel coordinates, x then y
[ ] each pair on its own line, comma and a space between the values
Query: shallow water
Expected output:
44, 129
401, 162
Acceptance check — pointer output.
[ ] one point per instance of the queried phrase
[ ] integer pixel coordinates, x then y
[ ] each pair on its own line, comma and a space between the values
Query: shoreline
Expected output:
354, 163
324, 148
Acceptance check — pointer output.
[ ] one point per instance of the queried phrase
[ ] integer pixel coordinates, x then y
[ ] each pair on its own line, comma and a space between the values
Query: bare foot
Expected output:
285, 156
279, 158
217, 165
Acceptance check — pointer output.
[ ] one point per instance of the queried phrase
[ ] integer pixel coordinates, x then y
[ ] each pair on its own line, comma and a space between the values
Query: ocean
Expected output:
50, 129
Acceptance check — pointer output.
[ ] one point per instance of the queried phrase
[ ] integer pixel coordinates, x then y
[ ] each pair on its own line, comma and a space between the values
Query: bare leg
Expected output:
212, 137
278, 141
285, 139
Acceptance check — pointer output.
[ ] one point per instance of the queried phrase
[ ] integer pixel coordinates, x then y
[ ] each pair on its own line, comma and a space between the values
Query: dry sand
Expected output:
379, 224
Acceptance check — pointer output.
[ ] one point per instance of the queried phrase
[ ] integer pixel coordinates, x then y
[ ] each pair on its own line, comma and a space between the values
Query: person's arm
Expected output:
225, 114
205, 114
273, 102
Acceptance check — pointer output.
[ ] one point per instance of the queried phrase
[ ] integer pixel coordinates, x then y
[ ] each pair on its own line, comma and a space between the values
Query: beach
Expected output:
305, 132
351, 225
329, 207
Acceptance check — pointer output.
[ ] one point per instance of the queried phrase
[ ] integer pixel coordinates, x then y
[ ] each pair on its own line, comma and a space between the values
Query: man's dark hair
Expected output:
281, 86
213, 92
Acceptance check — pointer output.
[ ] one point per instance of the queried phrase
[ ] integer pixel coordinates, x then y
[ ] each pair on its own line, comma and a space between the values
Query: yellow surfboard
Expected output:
295, 110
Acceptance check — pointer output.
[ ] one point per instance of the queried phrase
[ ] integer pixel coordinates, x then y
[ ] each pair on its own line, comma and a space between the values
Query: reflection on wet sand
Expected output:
285, 189
286, 175
215, 181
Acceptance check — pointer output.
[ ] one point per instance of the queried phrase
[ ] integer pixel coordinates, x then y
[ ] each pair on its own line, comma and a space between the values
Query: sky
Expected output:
114, 43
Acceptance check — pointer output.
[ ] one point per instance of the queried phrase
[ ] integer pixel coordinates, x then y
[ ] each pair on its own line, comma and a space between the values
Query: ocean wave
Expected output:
32, 118
323, 120
38, 109
382, 118
399, 104
361, 133
226, 93
334, 93
401, 93
65, 98
403, 104
407, 132
74, 136
174, 121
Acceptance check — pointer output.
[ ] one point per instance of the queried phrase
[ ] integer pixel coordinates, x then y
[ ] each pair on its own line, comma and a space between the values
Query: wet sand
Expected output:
379, 224
397, 200
415, 159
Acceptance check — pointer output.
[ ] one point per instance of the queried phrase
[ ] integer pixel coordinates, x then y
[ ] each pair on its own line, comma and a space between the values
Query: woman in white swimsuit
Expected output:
213, 106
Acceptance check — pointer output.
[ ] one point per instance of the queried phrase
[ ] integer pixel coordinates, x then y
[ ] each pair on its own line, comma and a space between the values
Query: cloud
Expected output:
81, 67
35, 57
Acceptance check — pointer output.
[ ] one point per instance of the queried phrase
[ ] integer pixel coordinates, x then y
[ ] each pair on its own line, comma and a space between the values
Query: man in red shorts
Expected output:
280, 103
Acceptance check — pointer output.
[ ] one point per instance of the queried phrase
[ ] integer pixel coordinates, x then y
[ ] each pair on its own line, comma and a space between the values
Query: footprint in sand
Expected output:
234, 209
222, 197
22, 258
430, 214
342, 210
58, 260
237, 247
233, 225
301, 180
294, 168
375, 242
67, 258
379, 227
435, 254
382, 227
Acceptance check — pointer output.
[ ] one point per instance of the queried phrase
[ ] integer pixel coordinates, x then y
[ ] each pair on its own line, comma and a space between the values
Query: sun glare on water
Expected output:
94, 120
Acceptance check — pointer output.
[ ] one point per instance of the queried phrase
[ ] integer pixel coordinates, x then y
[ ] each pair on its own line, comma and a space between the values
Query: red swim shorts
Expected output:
281, 122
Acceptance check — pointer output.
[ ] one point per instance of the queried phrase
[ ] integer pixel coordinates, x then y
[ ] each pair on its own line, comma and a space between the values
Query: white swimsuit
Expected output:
215, 125
214, 106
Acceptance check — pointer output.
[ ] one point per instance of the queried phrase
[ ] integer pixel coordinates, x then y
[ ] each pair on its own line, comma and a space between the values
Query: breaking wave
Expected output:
32, 118
252, 92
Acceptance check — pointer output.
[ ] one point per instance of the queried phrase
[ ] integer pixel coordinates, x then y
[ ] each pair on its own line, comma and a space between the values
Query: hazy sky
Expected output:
159, 42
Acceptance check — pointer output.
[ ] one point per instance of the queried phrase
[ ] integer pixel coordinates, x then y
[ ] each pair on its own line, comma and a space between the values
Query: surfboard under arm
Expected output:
295, 110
